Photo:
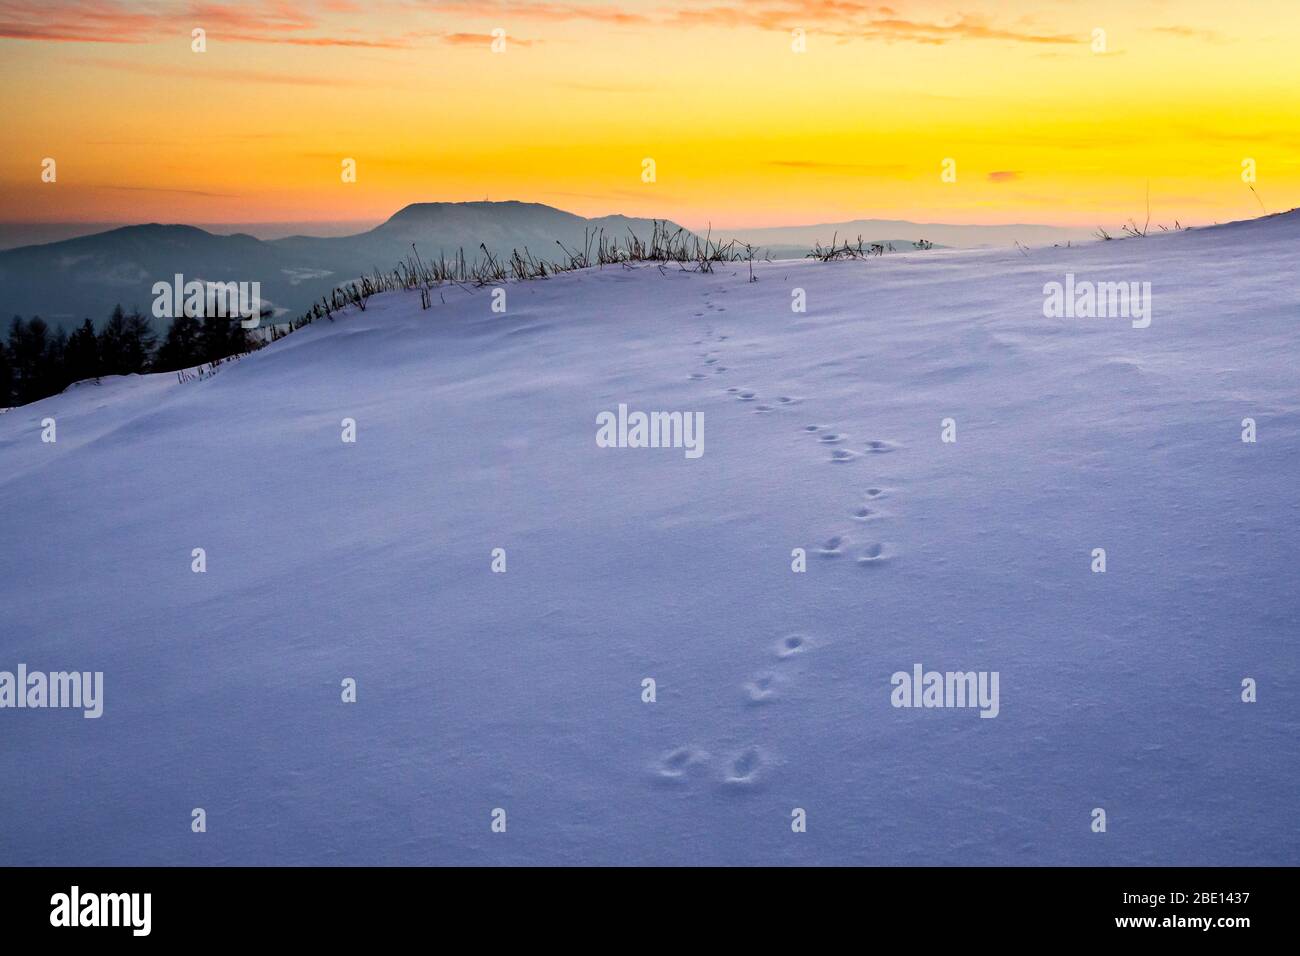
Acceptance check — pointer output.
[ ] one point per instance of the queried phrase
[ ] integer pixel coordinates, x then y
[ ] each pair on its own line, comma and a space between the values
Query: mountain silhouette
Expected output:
65, 282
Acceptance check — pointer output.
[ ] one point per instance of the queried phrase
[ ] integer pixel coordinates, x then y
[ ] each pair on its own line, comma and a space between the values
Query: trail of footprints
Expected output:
872, 554
747, 767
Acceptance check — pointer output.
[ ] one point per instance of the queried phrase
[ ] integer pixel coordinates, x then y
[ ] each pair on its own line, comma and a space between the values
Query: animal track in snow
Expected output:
879, 446
830, 438
873, 555
842, 456
761, 688
745, 768
831, 548
677, 764
790, 645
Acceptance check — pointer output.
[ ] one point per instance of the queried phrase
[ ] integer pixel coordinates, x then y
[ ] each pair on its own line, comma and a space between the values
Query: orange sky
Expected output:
743, 129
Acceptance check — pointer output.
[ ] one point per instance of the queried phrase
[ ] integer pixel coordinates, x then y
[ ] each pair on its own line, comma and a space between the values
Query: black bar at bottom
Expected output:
364, 904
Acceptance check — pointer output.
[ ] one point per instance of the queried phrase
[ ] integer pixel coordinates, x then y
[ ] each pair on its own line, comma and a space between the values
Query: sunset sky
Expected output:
743, 130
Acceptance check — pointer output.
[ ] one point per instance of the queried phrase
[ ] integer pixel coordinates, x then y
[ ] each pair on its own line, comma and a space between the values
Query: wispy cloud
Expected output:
852, 19
75, 21
1191, 33
1004, 175
528, 10
111, 21
477, 39
344, 23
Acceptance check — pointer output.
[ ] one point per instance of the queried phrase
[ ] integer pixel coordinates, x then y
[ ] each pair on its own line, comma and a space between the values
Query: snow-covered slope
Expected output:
523, 690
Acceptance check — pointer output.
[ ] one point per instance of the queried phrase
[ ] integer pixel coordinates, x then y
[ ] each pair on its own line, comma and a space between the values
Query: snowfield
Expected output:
523, 690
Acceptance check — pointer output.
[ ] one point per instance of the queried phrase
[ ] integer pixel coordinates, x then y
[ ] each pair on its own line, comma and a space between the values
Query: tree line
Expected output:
37, 362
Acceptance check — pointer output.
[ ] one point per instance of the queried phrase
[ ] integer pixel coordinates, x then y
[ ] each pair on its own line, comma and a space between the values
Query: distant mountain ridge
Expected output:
69, 280
73, 279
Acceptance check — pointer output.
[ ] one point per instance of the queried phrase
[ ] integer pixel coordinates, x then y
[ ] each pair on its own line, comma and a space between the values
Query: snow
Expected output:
523, 690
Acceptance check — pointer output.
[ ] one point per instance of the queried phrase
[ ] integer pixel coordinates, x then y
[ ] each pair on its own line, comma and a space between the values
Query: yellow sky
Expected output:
743, 129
